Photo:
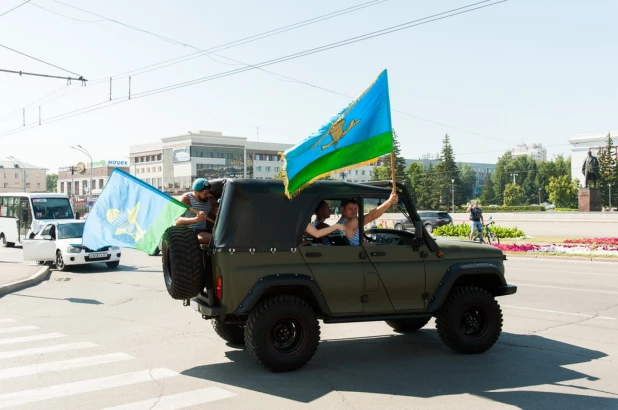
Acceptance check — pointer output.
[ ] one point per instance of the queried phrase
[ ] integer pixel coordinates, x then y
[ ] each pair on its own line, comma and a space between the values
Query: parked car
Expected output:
61, 243
430, 219
547, 205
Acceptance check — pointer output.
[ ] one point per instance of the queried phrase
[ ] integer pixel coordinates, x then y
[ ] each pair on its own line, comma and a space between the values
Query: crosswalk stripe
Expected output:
178, 401
46, 349
62, 365
45, 336
17, 329
85, 386
8, 320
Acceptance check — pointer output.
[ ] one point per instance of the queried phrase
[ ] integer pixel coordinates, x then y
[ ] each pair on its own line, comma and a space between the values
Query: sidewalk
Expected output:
15, 276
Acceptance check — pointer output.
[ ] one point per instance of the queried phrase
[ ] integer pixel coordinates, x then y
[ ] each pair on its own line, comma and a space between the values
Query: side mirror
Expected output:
47, 237
418, 230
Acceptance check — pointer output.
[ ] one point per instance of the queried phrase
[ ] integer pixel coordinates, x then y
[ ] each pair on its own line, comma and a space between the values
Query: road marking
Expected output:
8, 320
16, 329
85, 386
561, 313
607, 292
46, 349
566, 271
178, 401
45, 336
62, 365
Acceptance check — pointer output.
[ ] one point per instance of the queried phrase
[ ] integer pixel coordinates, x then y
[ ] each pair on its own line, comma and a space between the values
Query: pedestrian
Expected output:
476, 219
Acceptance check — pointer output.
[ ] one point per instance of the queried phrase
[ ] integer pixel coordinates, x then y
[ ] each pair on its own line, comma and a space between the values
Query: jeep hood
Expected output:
455, 249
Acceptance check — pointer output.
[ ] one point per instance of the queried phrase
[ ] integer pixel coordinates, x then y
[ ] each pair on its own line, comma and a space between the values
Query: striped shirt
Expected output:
355, 240
198, 206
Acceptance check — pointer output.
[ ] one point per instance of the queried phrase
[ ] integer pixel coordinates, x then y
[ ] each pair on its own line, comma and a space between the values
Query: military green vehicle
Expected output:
263, 284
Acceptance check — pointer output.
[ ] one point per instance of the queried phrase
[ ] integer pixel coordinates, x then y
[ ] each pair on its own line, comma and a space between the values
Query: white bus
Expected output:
23, 214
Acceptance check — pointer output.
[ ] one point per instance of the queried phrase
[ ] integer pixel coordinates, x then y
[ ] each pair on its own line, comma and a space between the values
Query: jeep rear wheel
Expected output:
182, 263
407, 325
470, 320
234, 334
282, 333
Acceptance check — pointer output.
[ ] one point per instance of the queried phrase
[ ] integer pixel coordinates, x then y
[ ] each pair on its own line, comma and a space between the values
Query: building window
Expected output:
258, 157
276, 169
356, 172
6, 175
38, 185
137, 170
27, 175
363, 172
62, 187
16, 175
101, 183
267, 169
159, 157
148, 169
6, 184
258, 168
159, 169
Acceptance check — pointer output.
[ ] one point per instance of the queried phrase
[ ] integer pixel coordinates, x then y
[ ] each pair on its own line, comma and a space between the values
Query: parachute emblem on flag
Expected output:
336, 132
126, 223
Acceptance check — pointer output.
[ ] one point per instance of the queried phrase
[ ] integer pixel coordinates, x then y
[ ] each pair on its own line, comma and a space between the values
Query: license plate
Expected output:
98, 255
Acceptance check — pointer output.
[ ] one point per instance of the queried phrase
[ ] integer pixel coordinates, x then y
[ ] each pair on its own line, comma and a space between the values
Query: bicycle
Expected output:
488, 233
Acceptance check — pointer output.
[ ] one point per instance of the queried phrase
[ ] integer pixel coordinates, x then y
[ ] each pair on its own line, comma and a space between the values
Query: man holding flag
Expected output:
349, 216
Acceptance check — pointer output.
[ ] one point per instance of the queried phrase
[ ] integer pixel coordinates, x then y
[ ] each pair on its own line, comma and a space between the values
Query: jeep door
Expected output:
339, 273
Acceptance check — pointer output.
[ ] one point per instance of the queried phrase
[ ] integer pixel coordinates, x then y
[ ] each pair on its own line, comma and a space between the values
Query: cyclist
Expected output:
476, 219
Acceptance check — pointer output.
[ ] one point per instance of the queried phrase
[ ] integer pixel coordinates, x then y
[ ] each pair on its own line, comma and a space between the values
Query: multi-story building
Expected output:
73, 180
536, 151
15, 174
172, 163
582, 143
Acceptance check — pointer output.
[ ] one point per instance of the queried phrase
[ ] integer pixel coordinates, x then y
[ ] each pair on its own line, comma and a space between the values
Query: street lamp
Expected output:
539, 196
83, 151
23, 169
610, 196
514, 175
343, 175
453, 194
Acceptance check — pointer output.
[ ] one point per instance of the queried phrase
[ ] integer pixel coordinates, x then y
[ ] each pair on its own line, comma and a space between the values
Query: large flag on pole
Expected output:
130, 214
358, 135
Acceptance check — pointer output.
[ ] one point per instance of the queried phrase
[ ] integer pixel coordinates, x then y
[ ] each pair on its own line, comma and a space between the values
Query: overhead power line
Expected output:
66, 17
44, 62
16, 7
367, 36
41, 75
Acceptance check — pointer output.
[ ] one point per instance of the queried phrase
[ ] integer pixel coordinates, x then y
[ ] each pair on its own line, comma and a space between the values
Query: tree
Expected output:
467, 178
513, 195
427, 196
384, 172
487, 194
51, 182
563, 191
501, 176
546, 171
608, 170
447, 171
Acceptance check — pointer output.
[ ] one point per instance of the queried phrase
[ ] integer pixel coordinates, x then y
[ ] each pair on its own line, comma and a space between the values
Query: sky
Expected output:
518, 71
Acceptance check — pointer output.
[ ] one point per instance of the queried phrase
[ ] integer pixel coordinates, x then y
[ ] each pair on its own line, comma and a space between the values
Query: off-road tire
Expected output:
183, 268
429, 228
264, 327
112, 265
407, 325
60, 265
463, 304
234, 334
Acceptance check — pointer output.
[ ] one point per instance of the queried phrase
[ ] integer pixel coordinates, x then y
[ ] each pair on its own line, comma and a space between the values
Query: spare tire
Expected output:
183, 268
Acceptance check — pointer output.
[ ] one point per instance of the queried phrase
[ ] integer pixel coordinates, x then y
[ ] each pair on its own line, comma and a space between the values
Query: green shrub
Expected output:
464, 230
497, 209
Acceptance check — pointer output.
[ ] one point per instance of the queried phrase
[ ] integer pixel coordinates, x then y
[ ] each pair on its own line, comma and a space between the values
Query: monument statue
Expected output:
590, 169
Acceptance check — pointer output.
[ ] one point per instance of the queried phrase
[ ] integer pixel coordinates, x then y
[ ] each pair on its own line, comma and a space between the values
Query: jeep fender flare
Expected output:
288, 282
489, 273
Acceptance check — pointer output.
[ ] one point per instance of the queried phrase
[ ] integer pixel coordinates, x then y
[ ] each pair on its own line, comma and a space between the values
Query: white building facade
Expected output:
536, 151
581, 144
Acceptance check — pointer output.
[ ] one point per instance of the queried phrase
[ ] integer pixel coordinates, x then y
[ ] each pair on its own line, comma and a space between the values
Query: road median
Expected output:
22, 279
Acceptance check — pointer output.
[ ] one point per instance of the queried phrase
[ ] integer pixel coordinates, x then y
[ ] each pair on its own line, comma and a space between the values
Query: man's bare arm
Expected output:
379, 211
184, 220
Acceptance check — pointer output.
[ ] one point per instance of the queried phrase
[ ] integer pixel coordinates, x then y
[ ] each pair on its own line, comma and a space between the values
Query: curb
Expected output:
568, 258
41, 275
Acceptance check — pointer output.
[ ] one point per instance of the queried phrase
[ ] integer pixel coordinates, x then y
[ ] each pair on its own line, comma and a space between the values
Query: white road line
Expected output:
565, 271
85, 386
8, 320
62, 365
560, 313
607, 292
46, 349
16, 329
45, 336
178, 401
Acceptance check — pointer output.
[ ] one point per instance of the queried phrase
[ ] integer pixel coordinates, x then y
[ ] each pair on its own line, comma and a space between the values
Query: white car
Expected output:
60, 242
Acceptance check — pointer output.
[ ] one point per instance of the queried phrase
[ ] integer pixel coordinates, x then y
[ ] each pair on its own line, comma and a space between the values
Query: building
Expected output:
536, 151
173, 163
15, 174
581, 144
73, 180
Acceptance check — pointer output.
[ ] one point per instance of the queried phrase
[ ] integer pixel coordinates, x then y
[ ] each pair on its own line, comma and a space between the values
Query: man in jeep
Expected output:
202, 201
349, 216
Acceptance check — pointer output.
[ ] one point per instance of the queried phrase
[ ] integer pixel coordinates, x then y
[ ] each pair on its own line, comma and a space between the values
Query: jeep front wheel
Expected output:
407, 325
234, 334
470, 320
282, 333
182, 262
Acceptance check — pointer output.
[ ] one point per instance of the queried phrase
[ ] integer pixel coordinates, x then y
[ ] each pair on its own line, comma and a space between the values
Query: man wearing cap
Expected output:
476, 219
349, 216
202, 201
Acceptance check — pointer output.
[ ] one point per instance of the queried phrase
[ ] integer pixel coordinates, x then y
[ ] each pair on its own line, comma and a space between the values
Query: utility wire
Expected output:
66, 17
44, 62
367, 36
16, 7
41, 75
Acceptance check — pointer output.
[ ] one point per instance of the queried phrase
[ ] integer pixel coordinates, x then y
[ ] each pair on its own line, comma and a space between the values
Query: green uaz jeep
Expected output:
263, 284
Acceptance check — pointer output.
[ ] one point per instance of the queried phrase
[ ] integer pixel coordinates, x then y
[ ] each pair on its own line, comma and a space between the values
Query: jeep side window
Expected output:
323, 219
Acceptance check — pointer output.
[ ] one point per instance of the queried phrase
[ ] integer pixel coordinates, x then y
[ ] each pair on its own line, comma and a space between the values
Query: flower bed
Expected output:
567, 249
594, 241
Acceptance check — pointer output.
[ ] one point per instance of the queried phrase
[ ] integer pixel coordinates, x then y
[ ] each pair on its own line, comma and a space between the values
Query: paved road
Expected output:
96, 338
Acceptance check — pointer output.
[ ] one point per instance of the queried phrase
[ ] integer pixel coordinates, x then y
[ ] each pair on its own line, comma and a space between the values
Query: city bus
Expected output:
23, 214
